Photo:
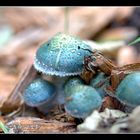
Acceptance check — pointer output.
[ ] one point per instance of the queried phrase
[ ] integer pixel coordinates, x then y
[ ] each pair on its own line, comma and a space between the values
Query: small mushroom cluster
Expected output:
61, 58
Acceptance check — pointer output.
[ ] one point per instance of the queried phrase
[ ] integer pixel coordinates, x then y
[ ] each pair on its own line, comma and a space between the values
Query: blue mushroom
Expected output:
61, 56
128, 91
81, 99
40, 94
71, 83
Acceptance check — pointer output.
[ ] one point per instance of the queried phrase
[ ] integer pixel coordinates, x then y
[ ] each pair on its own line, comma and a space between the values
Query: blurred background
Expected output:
23, 29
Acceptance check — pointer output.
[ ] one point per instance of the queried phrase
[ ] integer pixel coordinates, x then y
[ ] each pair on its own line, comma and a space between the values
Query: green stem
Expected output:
4, 128
135, 41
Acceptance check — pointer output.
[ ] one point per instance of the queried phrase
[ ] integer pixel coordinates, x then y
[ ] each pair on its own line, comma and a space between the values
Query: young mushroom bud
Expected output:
128, 91
81, 99
40, 94
72, 82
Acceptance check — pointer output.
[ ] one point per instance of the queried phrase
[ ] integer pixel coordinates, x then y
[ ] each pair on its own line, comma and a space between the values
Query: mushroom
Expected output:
81, 99
72, 82
40, 94
128, 91
60, 58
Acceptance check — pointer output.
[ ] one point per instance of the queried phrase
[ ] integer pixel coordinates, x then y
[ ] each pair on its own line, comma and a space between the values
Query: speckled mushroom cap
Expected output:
128, 91
82, 100
39, 92
61, 56
71, 83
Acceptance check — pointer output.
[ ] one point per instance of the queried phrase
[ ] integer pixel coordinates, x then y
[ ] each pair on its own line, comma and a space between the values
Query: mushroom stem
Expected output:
59, 84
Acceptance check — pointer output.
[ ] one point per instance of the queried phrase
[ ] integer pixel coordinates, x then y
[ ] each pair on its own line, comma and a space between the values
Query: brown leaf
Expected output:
47, 18
87, 76
87, 24
119, 33
20, 18
124, 13
83, 22
32, 125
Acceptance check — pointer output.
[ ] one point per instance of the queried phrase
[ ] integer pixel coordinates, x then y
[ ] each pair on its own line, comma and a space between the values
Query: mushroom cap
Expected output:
39, 92
61, 56
72, 82
82, 101
128, 91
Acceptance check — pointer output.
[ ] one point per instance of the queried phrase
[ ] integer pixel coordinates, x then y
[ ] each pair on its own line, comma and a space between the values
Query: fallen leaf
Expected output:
28, 125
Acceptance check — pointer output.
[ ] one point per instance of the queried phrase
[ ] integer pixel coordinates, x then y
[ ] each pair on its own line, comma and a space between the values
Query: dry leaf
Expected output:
120, 33
28, 125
